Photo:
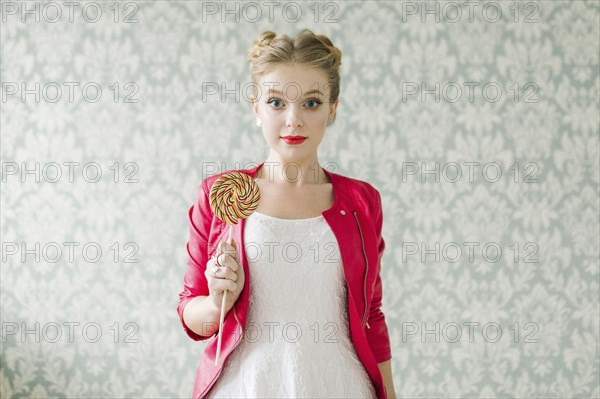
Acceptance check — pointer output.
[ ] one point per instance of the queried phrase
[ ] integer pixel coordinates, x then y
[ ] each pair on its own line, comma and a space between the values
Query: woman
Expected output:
303, 315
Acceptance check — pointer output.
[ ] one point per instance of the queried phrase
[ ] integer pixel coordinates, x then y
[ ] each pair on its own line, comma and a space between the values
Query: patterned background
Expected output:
165, 143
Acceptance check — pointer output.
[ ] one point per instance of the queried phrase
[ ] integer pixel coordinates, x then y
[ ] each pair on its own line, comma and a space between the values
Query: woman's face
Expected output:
293, 101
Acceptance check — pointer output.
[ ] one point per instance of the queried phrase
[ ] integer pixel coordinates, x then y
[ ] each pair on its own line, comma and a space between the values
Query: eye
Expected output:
314, 101
274, 100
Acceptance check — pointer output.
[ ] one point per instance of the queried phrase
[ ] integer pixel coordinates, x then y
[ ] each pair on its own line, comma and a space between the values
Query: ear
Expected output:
333, 107
254, 105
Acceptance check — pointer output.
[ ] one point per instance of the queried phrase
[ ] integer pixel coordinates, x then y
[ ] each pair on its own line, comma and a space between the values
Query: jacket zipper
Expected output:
366, 271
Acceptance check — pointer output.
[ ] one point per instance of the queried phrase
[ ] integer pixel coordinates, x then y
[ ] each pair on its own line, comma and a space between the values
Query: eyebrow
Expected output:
305, 94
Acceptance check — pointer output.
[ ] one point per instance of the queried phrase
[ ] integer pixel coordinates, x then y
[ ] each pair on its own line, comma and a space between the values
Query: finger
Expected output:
221, 248
212, 262
220, 285
220, 259
228, 274
228, 261
236, 255
229, 249
210, 279
217, 286
208, 273
224, 248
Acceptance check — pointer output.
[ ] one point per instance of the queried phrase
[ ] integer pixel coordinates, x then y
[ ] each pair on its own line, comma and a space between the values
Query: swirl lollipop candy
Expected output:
233, 196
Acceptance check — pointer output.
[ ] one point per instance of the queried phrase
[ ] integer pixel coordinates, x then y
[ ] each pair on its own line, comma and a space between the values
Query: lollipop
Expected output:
233, 196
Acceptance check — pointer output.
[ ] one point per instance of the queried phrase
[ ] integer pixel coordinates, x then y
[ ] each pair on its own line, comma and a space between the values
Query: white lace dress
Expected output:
297, 342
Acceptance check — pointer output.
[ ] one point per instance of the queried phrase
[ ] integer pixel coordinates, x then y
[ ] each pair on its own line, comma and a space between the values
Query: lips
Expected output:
294, 139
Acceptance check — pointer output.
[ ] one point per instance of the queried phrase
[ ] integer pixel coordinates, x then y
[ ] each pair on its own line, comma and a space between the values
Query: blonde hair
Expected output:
306, 49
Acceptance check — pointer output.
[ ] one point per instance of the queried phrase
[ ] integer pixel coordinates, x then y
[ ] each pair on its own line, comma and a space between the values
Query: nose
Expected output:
293, 119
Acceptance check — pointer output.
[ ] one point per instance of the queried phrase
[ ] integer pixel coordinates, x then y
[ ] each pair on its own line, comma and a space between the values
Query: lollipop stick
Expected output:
222, 307
233, 196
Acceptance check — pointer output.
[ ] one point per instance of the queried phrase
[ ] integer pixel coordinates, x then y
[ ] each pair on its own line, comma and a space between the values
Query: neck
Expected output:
292, 173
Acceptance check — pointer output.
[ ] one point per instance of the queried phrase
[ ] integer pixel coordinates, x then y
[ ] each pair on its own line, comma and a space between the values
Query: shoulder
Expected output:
360, 189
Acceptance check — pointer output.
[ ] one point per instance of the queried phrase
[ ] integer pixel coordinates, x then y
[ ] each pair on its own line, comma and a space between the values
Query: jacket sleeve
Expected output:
377, 334
194, 281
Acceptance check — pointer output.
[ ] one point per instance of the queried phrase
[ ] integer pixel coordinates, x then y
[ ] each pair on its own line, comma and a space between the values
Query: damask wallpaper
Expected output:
476, 120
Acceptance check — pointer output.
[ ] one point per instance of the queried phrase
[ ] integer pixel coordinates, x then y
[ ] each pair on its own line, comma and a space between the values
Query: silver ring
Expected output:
217, 261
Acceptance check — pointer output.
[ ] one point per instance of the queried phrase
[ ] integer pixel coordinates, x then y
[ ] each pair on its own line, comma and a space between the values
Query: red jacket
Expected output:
355, 218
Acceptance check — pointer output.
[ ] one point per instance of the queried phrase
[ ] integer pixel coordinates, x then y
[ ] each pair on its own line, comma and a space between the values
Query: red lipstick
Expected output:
293, 140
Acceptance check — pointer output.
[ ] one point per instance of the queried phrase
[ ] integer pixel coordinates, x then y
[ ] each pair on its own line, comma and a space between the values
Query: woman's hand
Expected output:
229, 276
